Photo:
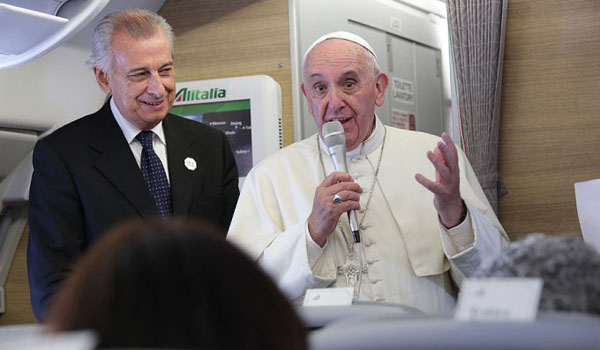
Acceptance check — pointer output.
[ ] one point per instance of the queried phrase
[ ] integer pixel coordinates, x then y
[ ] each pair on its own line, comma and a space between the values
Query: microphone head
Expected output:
333, 134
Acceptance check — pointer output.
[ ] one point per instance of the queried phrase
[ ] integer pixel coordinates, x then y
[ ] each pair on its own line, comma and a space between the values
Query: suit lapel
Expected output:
179, 147
117, 164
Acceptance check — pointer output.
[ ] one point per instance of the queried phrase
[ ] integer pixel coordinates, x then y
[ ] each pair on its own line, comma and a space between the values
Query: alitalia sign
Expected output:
186, 94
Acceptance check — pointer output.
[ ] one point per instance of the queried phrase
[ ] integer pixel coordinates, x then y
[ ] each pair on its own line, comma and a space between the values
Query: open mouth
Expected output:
342, 120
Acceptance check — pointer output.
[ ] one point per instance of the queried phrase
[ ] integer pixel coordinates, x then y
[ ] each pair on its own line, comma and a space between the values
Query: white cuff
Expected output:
459, 238
313, 250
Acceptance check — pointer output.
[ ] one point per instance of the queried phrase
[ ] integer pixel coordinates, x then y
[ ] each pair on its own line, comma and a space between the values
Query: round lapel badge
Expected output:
190, 163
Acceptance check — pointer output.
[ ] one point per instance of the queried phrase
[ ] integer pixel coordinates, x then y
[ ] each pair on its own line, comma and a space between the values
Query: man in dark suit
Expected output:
130, 159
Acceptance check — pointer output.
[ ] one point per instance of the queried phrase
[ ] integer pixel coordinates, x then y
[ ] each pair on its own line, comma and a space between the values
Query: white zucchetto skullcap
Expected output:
340, 35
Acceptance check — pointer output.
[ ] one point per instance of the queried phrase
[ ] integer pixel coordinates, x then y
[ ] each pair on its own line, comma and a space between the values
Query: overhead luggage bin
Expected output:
31, 29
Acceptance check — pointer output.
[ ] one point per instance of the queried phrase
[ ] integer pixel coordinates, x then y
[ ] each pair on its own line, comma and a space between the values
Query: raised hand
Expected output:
446, 188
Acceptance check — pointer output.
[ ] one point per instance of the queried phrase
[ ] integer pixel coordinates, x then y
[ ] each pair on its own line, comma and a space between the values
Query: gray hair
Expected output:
139, 23
568, 266
369, 56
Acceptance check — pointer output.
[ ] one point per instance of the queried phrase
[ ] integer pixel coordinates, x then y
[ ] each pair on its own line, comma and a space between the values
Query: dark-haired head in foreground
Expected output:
569, 268
174, 285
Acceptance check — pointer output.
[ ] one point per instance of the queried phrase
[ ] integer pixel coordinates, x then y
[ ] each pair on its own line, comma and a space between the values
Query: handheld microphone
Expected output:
335, 140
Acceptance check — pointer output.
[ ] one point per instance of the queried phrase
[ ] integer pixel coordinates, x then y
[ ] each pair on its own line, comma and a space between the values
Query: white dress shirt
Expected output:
130, 131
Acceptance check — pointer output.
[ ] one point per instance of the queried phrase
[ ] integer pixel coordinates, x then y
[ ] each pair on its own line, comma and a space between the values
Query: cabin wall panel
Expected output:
219, 39
550, 121
18, 305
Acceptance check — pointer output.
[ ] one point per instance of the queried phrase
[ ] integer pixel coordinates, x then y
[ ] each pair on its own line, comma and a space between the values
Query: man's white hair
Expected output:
138, 23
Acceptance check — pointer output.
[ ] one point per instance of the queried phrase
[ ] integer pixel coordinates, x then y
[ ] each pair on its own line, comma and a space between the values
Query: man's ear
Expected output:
307, 101
381, 84
102, 79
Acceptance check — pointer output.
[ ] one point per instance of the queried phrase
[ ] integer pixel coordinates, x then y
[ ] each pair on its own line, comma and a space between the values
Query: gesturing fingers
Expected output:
449, 152
444, 158
434, 187
439, 164
446, 188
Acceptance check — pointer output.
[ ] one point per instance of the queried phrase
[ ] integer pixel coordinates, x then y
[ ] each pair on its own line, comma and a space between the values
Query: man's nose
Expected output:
156, 86
336, 100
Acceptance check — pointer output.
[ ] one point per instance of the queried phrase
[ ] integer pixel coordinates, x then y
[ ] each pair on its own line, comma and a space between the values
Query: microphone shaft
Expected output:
354, 226
338, 157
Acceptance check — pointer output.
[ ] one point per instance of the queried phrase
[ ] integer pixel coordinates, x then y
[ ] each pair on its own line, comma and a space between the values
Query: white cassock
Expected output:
410, 258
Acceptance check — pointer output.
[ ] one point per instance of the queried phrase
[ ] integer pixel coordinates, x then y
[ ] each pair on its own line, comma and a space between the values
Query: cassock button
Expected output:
372, 261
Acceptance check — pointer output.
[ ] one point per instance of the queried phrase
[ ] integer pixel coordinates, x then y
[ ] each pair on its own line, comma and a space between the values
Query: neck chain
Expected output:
371, 189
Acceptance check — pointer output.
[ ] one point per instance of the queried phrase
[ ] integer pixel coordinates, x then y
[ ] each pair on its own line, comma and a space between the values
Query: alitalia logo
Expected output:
185, 94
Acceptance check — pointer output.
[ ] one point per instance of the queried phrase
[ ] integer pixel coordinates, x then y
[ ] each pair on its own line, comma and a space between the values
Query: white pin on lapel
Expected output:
190, 163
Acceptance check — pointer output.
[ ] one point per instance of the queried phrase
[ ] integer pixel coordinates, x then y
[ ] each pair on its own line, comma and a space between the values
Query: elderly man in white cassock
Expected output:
424, 222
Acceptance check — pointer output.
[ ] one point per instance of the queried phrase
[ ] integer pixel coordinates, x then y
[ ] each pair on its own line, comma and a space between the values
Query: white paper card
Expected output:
328, 297
587, 197
499, 299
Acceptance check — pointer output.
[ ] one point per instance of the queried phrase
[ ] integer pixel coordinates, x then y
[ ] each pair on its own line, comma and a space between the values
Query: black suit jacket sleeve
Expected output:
56, 226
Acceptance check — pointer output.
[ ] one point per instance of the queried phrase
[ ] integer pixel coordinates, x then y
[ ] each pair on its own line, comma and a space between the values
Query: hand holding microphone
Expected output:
326, 210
